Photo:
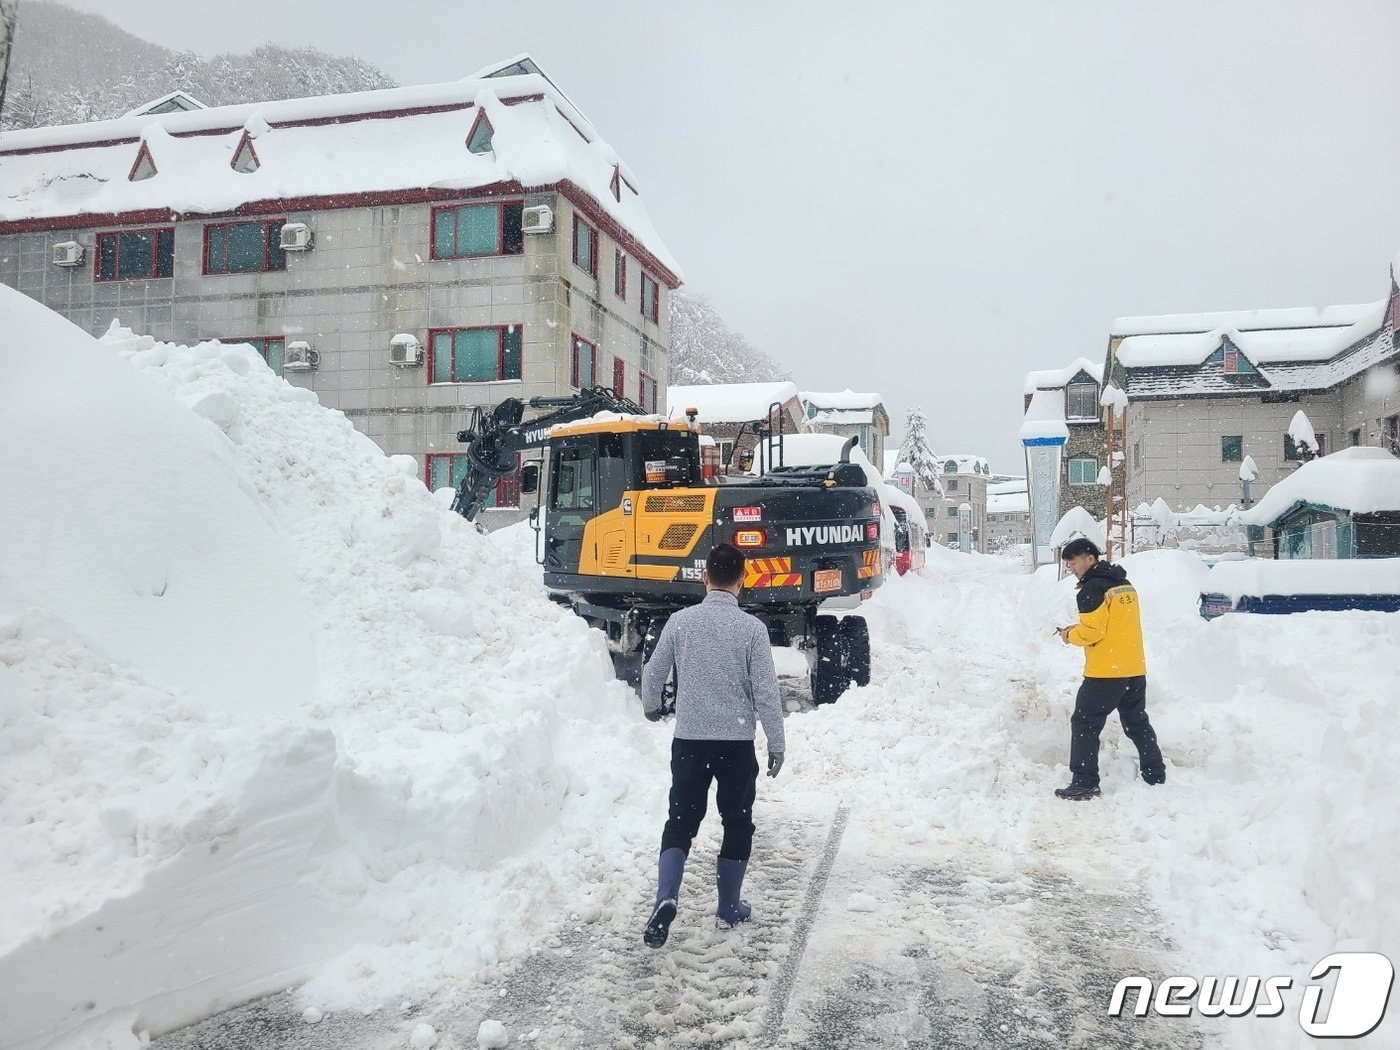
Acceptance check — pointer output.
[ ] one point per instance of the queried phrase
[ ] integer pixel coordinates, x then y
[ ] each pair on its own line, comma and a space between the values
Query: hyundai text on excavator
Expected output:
629, 514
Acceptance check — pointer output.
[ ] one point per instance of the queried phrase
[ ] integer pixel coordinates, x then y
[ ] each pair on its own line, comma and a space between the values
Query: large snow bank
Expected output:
167, 845
1362, 480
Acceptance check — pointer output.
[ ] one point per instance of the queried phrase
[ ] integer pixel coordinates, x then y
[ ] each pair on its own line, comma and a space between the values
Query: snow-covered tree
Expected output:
1304, 439
705, 350
915, 451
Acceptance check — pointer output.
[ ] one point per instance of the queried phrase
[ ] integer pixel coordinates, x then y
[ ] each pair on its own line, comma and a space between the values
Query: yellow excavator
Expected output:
629, 511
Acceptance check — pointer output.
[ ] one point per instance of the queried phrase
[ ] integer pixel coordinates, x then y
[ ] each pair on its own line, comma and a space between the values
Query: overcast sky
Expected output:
929, 199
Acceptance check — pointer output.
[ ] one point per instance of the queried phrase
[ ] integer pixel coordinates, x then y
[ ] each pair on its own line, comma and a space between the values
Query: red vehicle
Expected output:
910, 540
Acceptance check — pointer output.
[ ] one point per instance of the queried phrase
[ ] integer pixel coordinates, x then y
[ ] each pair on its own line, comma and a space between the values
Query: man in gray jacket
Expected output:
725, 685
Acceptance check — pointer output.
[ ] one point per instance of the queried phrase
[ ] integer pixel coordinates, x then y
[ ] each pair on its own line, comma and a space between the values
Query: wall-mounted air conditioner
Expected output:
299, 357
405, 350
68, 253
539, 219
297, 237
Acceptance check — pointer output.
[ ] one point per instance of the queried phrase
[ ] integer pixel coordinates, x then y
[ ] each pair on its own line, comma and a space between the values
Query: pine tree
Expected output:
914, 450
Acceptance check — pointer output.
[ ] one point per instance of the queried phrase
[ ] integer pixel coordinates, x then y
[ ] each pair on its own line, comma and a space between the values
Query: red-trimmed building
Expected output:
405, 253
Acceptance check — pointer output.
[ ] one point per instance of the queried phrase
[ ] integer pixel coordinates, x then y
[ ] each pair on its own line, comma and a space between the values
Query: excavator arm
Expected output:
495, 438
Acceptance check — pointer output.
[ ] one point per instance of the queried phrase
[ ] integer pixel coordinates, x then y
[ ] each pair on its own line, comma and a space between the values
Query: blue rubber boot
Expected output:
729, 880
669, 870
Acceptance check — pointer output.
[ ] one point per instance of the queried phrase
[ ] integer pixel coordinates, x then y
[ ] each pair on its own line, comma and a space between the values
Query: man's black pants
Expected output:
734, 764
1098, 698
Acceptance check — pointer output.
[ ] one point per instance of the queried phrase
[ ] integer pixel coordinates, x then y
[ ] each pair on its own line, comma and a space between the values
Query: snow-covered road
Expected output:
879, 922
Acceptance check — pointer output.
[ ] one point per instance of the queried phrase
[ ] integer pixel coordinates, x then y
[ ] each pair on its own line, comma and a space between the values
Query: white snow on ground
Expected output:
456, 776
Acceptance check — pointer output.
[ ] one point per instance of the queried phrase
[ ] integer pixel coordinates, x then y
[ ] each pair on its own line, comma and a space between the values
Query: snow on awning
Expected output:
1359, 480
1044, 422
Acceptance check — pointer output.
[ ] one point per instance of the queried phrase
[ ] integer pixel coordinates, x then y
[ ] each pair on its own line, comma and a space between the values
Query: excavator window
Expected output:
572, 489
666, 458
612, 472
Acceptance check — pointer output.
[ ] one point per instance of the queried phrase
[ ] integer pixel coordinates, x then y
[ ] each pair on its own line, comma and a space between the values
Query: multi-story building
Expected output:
1073, 393
406, 254
849, 414
1008, 514
964, 481
1206, 390
728, 410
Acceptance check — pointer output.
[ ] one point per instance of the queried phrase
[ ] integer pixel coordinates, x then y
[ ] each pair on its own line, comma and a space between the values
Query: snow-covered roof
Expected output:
1006, 486
1045, 417
1236, 579
728, 402
1008, 503
168, 103
1057, 378
1361, 480
966, 464
1241, 320
1315, 343
409, 140
847, 400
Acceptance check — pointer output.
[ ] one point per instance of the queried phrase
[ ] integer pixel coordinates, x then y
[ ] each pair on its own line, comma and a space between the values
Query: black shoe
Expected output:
1077, 793
1157, 778
659, 926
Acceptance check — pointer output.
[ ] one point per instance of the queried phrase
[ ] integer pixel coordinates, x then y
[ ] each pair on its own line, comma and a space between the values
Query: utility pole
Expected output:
9, 9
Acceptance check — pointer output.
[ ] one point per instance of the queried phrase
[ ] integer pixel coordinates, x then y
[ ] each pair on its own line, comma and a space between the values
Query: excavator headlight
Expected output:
750, 538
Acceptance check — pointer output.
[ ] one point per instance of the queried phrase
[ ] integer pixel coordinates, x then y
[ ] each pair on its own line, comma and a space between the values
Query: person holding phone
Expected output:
1115, 670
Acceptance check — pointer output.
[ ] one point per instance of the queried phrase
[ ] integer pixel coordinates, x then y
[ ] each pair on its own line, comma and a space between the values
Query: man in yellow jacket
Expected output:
1115, 671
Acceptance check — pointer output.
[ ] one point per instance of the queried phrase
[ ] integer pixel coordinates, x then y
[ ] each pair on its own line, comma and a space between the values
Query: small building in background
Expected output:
850, 414
964, 480
728, 412
1008, 515
1076, 390
1346, 505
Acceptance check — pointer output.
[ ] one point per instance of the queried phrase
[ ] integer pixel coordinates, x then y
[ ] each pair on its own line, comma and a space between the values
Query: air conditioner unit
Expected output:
405, 350
69, 253
297, 237
539, 219
299, 357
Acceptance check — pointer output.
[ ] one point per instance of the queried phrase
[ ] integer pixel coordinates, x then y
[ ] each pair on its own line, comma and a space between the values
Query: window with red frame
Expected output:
647, 393
130, 255
651, 300
619, 377
474, 355
446, 470
271, 347
466, 231
244, 247
620, 275
585, 365
585, 247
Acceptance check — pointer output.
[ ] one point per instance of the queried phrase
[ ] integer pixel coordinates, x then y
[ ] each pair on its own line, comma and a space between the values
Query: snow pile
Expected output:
1256, 578
730, 402
392, 808
1300, 429
1362, 480
1075, 523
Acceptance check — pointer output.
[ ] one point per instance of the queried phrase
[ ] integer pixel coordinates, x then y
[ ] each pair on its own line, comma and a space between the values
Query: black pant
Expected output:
734, 765
1098, 698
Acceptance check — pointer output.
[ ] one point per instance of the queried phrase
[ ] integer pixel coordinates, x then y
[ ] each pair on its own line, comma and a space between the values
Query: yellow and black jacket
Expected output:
1110, 624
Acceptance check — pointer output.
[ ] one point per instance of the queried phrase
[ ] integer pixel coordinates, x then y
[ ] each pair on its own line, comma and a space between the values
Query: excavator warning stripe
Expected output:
871, 566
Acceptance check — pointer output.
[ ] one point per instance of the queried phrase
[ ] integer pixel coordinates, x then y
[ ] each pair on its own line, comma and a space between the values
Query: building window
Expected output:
479, 140
952, 537
1392, 434
951, 485
1232, 448
1082, 401
271, 348
619, 377
585, 247
244, 247
446, 470
651, 300
131, 255
952, 512
1354, 437
470, 231
1290, 448
620, 275
647, 393
1137, 455
951, 467
726, 452
585, 364
1083, 470
474, 355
